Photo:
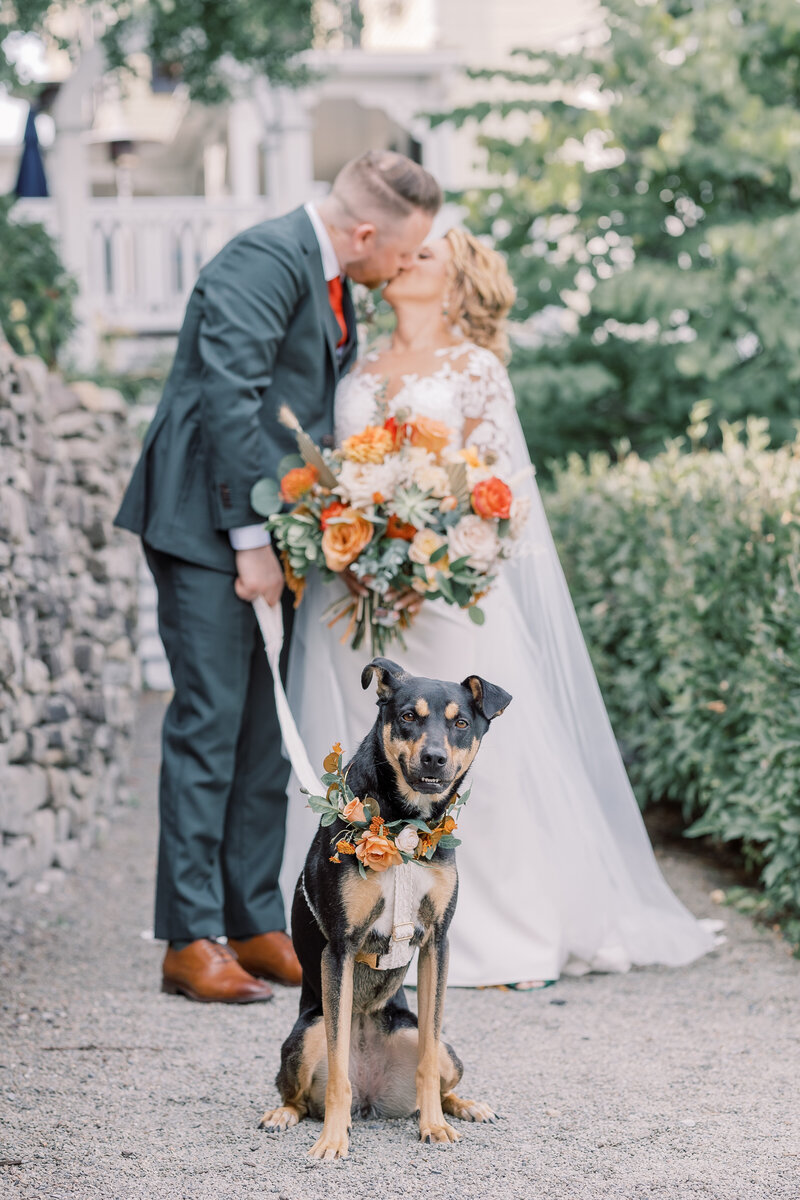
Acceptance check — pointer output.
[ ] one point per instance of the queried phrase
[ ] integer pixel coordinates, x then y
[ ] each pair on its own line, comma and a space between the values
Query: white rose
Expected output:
407, 840
426, 474
476, 540
358, 482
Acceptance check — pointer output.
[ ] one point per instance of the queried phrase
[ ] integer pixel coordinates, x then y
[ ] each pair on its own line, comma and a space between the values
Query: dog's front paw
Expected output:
467, 1110
332, 1143
437, 1131
276, 1120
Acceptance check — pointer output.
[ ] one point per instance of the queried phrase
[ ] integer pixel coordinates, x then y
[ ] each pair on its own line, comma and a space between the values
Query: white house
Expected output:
146, 186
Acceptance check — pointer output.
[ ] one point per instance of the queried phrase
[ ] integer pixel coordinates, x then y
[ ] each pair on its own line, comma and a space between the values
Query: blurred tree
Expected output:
647, 197
205, 44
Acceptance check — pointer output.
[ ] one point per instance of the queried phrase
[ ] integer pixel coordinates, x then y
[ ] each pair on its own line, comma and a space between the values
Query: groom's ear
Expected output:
389, 674
490, 699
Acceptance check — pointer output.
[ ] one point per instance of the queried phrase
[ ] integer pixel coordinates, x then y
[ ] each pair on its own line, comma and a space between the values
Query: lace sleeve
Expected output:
488, 398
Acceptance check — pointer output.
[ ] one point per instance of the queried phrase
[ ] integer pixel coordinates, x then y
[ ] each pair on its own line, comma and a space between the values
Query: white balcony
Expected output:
143, 254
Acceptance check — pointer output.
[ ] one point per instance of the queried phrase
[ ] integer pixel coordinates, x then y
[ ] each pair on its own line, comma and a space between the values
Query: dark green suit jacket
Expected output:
259, 331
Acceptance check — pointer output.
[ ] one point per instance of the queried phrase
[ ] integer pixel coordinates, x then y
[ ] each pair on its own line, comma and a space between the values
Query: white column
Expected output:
71, 187
244, 136
290, 163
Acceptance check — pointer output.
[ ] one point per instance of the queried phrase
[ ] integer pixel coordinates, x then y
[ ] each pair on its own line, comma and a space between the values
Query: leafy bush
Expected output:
685, 571
36, 293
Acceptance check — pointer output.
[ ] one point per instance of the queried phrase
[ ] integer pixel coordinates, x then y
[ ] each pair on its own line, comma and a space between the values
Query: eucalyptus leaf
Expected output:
265, 497
289, 463
476, 615
329, 818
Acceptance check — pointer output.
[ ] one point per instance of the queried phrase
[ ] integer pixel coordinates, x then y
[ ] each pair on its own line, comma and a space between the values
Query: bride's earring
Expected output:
446, 305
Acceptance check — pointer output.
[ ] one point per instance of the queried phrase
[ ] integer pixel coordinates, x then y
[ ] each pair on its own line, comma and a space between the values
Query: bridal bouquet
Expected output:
399, 508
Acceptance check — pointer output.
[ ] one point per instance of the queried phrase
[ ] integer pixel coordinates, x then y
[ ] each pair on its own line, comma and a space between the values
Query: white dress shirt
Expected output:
250, 537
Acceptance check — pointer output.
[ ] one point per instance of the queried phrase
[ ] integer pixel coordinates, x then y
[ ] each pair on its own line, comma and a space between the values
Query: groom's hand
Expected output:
258, 573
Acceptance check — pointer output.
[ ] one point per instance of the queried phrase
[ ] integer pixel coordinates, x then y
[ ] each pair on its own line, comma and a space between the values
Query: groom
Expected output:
270, 321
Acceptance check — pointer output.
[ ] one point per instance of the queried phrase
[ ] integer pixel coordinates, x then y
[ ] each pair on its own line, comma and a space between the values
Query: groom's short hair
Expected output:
387, 183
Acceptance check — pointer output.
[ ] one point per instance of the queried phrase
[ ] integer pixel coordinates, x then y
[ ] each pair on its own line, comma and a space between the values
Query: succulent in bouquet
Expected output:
402, 510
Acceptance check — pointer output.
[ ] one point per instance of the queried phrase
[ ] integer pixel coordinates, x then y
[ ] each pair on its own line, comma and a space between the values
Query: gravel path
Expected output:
656, 1084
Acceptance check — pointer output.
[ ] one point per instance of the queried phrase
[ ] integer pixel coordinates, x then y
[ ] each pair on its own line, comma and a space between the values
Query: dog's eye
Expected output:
461, 723
408, 716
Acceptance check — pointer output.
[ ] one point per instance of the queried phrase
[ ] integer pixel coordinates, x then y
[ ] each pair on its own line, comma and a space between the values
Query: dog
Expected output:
356, 1047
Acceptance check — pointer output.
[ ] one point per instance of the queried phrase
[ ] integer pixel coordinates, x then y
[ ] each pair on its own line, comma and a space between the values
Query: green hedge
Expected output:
36, 293
685, 571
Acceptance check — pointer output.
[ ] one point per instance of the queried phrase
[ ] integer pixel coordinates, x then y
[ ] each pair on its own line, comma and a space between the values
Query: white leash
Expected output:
270, 622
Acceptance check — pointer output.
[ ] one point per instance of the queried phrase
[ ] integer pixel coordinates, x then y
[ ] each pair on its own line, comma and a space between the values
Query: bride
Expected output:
556, 872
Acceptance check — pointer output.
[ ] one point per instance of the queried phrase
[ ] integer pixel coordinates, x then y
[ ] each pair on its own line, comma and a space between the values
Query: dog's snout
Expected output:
433, 758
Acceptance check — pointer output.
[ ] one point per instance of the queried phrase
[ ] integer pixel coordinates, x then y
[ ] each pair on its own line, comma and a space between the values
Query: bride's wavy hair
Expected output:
481, 292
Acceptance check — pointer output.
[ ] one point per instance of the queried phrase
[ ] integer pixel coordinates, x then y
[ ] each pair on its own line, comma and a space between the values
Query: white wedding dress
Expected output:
556, 872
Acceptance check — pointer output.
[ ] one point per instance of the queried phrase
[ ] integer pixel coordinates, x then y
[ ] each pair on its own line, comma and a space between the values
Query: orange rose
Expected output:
398, 430
492, 498
333, 510
399, 529
354, 811
377, 852
343, 542
430, 435
298, 482
370, 446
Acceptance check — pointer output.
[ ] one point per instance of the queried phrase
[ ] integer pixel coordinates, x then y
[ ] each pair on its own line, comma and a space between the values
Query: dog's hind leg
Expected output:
451, 1070
302, 1058
466, 1110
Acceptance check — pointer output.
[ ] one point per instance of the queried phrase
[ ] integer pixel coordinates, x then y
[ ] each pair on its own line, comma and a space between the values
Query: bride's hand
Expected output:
408, 599
353, 583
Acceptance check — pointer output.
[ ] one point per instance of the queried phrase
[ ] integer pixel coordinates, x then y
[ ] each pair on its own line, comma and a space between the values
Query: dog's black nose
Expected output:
433, 758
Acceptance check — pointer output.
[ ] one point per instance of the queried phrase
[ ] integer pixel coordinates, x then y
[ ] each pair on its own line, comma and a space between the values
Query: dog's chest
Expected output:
403, 897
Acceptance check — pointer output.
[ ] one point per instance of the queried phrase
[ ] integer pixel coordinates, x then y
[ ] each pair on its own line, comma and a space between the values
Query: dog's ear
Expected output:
490, 699
389, 675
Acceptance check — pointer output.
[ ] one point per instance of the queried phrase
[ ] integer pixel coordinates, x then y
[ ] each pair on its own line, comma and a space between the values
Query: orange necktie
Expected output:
335, 292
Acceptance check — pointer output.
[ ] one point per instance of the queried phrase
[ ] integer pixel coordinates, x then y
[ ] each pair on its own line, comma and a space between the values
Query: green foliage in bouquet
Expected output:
647, 199
36, 293
686, 575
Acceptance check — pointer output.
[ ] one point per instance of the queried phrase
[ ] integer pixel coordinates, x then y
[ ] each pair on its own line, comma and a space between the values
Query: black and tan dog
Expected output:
356, 1046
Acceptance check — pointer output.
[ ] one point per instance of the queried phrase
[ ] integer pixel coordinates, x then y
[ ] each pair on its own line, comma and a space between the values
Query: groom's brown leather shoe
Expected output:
205, 970
270, 956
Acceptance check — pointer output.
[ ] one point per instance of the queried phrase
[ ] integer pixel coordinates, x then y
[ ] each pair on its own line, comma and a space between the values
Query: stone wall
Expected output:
68, 591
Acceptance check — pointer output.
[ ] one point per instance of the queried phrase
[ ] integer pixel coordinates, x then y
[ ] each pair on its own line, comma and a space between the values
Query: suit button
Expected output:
328, 441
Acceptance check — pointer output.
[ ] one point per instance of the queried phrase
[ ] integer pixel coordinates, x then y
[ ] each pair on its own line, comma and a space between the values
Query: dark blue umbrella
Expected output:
31, 180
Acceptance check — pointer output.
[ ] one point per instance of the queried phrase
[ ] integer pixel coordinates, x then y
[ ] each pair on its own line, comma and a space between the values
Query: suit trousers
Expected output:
222, 794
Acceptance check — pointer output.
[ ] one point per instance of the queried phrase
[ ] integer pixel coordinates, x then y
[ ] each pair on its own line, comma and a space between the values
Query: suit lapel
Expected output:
351, 345
327, 319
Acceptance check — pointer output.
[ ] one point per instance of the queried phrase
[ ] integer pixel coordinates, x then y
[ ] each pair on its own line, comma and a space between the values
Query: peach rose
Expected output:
423, 545
377, 852
492, 498
429, 434
370, 446
354, 810
343, 541
298, 482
